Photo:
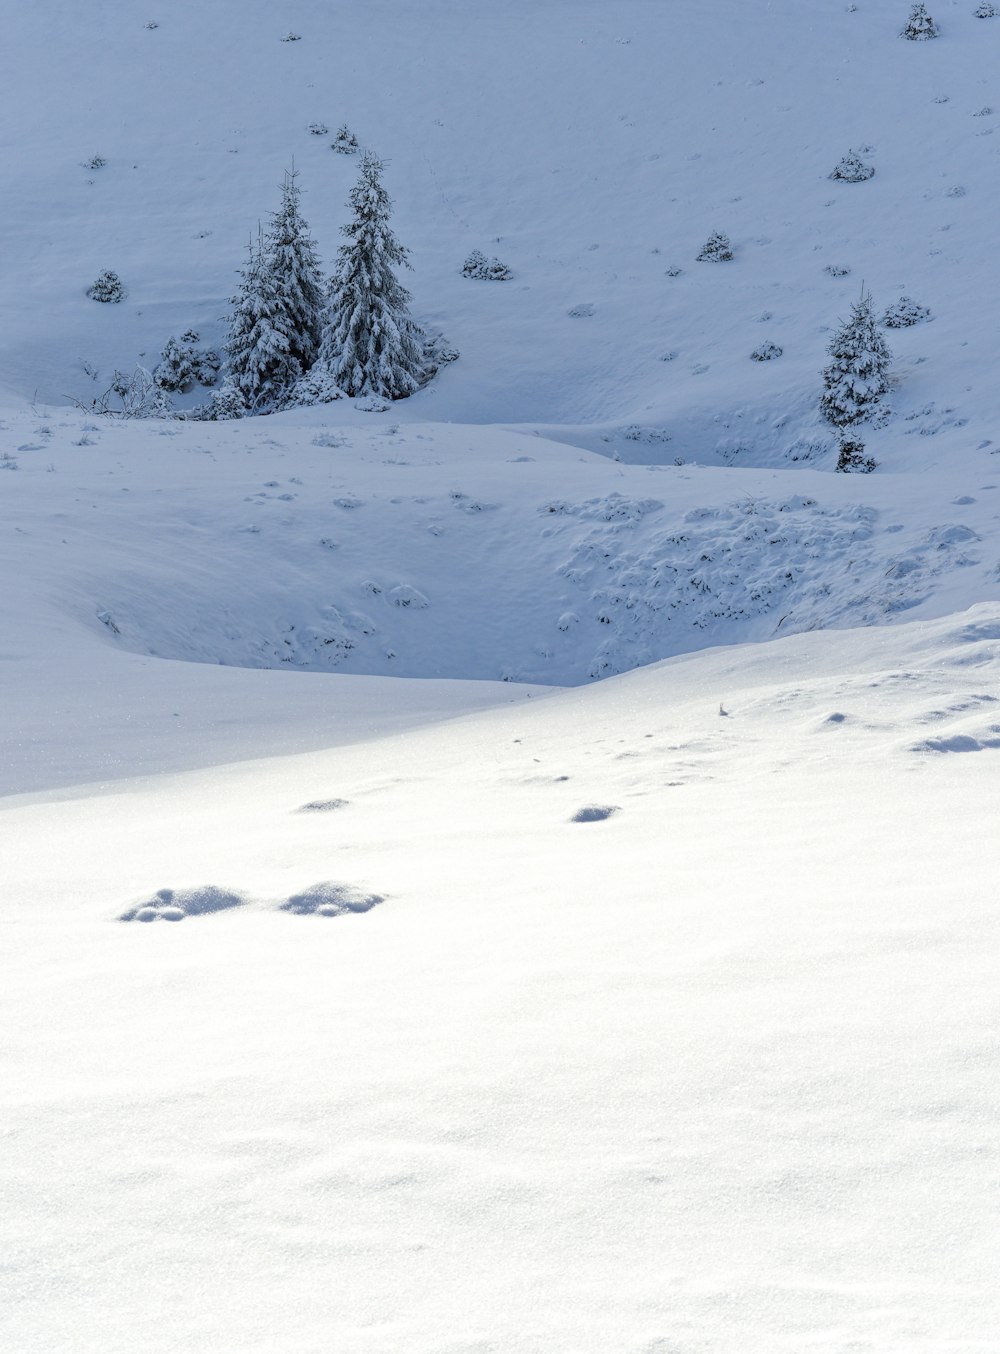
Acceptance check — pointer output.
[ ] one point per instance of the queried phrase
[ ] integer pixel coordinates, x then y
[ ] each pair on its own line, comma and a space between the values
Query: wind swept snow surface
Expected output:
718, 1071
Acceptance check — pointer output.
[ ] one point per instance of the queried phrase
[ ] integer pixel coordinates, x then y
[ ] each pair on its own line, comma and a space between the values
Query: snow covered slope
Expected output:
712, 1068
365, 989
593, 147
462, 552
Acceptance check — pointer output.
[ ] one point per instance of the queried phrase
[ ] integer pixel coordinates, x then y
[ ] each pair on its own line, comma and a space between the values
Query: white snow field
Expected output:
515, 873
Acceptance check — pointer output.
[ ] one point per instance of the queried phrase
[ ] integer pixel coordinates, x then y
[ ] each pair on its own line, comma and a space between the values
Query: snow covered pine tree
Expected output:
852, 459
852, 169
261, 364
856, 379
294, 268
370, 345
176, 367
716, 249
919, 26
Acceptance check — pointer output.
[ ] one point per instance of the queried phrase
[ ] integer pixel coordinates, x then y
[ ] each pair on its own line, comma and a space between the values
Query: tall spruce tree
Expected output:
261, 364
370, 344
295, 271
856, 379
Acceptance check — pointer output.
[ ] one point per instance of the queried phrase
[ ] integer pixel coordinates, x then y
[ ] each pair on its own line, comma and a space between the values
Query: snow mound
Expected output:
176, 904
594, 813
331, 900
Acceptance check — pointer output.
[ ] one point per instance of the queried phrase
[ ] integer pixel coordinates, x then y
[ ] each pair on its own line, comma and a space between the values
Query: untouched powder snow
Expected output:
376, 979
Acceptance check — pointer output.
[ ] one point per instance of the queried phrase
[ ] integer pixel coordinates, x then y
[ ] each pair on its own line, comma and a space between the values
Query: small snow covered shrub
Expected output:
673, 271
852, 458
318, 129
206, 364
852, 169
107, 287
181, 364
292, 37
836, 270
316, 387
767, 352
985, 11
176, 369
140, 396
477, 265
438, 352
131, 395
855, 380
716, 249
225, 403
904, 312
345, 142
919, 26
95, 162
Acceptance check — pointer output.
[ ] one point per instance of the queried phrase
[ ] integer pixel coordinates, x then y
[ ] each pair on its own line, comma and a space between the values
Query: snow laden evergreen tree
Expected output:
919, 26
716, 249
852, 169
294, 268
851, 458
370, 344
176, 367
855, 379
261, 364
345, 142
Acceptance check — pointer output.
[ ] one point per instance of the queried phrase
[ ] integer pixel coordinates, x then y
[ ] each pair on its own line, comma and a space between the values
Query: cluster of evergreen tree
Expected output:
294, 340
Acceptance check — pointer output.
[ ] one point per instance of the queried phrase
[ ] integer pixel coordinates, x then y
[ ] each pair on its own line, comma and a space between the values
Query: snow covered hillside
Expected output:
593, 147
512, 871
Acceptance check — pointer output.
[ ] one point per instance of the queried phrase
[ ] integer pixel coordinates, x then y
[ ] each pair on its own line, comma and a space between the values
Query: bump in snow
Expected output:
594, 813
176, 904
331, 900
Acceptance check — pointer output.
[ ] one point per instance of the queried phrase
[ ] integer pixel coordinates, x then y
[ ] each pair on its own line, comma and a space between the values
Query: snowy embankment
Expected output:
461, 552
